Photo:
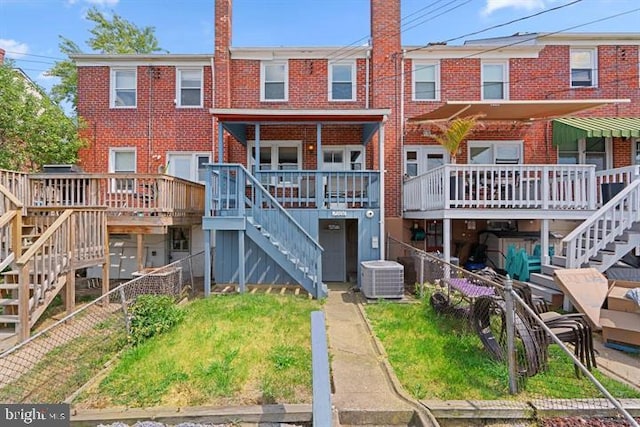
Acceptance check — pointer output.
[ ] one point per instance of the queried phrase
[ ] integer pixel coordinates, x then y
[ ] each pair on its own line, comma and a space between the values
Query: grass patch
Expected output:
440, 357
228, 350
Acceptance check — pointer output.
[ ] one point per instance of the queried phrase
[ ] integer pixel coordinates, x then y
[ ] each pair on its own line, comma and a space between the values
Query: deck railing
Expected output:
121, 194
603, 227
322, 189
10, 226
502, 186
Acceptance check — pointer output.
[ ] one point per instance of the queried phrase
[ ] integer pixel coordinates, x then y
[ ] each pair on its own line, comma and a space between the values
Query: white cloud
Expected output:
493, 5
13, 48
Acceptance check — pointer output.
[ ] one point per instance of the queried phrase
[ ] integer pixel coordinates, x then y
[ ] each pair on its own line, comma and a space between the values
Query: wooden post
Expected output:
23, 303
16, 234
140, 250
107, 257
70, 294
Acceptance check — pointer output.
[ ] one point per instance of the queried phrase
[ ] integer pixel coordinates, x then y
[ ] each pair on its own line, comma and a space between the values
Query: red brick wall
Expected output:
152, 131
2, 52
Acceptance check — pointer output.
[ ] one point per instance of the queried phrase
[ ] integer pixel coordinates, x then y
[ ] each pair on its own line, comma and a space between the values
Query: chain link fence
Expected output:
543, 357
56, 361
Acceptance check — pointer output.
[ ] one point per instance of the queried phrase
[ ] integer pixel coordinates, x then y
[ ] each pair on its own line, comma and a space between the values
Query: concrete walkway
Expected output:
365, 391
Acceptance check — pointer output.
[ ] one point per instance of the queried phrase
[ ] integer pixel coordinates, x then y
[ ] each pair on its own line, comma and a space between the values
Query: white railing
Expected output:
603, 227
614, 180
503, 186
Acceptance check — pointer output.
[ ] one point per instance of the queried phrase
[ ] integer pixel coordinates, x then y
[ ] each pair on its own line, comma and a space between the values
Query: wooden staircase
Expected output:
599, 242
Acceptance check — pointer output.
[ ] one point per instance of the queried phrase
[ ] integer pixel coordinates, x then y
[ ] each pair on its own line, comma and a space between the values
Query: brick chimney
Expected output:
222, 57
386, 61
2, 52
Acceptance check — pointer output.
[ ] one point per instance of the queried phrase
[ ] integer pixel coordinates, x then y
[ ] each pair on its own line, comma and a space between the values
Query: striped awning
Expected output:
570, 129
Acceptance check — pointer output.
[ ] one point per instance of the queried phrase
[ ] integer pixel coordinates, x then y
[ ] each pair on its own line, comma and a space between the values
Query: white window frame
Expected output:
417, 65
582, 152
635, 151
113, 88
519, 144
179, 87
594, 66
505, 79
353, 81
345, 150
274, 145
194, 170
113, 151
423, 152
263, 82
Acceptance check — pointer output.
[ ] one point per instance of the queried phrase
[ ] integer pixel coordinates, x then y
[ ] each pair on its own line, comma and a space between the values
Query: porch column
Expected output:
319, 181
241, 266
544, 242
207, 262
446, 239
256, 164
382, 195
220, 143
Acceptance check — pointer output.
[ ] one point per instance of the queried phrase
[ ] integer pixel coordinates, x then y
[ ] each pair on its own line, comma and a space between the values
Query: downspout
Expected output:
402, 125
366, 84
381, 240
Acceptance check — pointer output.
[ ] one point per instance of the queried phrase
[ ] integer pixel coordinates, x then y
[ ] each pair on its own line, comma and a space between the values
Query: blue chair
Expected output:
511, 261
528, 264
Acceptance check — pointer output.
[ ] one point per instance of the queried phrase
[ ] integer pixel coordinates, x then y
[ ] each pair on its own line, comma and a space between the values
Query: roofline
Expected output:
300, 52
475, 51
88, 59
270, 114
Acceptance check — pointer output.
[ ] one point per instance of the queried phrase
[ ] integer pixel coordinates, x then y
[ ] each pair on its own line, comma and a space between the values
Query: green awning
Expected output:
569, 129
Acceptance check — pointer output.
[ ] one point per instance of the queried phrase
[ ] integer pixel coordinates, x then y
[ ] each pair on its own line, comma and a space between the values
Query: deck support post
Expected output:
241, 264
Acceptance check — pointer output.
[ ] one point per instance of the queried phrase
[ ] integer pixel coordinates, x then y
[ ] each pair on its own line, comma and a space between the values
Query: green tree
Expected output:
110, 36
454, 132
34, 131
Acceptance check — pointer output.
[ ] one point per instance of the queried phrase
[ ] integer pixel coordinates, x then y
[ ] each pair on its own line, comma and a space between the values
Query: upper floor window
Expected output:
342, 81
426, 81
495, 152
274, 81
495, 80
123, 88
122, 160
583, 68
189, 88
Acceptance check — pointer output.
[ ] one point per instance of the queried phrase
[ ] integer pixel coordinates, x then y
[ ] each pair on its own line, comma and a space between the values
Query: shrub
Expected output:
152, 315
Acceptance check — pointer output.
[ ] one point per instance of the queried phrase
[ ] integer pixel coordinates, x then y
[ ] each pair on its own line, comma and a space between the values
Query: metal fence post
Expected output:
510, 322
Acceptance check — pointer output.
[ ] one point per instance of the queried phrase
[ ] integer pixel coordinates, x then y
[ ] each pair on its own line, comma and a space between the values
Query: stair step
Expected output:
8, 301
9, 318
554, 297
544, 280
12, 286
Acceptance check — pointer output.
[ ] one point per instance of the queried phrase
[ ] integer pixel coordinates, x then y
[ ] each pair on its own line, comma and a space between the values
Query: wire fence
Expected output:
55, 362
541, 356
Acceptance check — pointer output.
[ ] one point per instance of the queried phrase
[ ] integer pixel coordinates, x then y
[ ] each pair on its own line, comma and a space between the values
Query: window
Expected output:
274, 77
636, 154
495, 152
189, 88
583, 68
276, 156
494, 80
589, 151
342, 82
343, 158
189, 166
419, 160
123, 88
426, 81
122, 160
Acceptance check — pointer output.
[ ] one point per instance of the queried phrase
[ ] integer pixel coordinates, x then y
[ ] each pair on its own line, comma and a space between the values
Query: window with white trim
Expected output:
583, 68
122, 160
276, 156
495, 152
274, 77
419, 160
343, 158
495, 81
342, 81
124, 88
587, 151
189, 166
426, 81
189, 87
636, 153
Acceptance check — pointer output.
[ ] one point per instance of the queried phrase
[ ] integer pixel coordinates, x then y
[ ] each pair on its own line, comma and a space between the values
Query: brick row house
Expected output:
313, 156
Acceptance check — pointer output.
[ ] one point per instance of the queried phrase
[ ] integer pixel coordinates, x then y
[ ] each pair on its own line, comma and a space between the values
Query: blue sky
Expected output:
29, 29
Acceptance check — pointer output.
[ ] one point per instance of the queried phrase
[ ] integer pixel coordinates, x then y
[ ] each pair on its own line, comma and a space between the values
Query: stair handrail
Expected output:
586, 240
294, 225
12, 197
50, 231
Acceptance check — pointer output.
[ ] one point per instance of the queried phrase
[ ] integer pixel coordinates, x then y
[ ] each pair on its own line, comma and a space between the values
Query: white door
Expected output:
180, 165
333, 240
420, 160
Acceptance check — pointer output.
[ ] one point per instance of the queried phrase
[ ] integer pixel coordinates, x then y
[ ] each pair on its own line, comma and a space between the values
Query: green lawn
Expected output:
439, 357
228, 350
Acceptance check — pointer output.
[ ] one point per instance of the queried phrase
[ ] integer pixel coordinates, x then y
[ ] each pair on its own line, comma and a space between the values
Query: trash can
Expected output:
609, 190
